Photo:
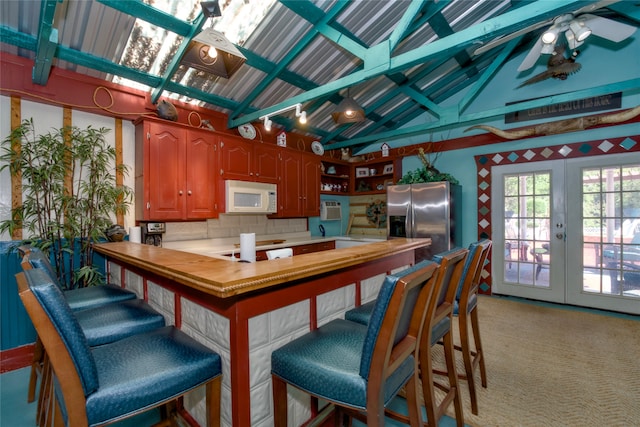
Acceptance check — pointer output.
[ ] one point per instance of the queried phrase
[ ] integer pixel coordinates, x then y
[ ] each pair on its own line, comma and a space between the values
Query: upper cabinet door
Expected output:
165, 172
290, 190
236, 159
311, 185
266, 164
201, 154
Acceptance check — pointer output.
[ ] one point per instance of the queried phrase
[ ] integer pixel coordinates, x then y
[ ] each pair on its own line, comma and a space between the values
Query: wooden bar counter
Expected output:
246, 310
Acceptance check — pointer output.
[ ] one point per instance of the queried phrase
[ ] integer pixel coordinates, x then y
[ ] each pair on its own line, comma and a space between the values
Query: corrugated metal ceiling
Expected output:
318, 51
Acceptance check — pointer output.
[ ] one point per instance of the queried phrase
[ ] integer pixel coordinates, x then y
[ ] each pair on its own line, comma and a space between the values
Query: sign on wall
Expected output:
610, 101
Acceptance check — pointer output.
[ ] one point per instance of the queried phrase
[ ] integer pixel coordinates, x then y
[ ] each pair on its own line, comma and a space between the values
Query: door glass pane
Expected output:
611, 230
527, 198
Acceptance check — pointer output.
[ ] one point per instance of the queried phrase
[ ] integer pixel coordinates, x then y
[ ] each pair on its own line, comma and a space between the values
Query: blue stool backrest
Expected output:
438, 258
380, 309
39, 259
54, 304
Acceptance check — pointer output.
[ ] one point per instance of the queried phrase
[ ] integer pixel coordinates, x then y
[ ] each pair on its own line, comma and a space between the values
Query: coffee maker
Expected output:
151, 232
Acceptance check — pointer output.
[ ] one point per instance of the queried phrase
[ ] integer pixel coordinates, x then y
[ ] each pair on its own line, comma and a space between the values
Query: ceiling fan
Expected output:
575, 28
584, 23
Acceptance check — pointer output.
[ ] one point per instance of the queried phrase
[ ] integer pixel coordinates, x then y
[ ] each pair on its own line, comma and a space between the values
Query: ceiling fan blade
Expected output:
533, 55
608, 28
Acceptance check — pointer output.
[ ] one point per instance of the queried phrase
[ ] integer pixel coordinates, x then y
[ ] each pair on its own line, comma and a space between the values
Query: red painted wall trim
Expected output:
84, 93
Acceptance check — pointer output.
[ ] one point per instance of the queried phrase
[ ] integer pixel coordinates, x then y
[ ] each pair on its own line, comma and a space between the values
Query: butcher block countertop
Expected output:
225, 278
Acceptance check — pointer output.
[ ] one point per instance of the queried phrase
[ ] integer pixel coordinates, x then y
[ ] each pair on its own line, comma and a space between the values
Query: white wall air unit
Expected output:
330, 210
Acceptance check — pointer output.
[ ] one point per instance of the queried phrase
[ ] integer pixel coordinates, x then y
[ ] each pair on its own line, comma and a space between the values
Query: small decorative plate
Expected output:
247, 131
317, 148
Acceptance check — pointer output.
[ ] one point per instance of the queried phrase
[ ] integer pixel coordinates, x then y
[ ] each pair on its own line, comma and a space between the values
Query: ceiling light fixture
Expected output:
210, 51
579, 29
348, 111
210, 9
302, 115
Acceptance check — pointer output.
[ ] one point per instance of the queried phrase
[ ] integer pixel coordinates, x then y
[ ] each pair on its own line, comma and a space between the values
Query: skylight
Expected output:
151, 48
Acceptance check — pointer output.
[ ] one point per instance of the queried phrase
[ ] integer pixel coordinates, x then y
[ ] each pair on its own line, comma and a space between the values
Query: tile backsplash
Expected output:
232, 225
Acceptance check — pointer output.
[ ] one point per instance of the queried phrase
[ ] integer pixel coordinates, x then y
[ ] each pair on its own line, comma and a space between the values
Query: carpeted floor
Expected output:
549, 366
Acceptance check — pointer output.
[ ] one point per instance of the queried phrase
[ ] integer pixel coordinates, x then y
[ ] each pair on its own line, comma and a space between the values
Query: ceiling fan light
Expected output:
348, 111
549, 37
579, 30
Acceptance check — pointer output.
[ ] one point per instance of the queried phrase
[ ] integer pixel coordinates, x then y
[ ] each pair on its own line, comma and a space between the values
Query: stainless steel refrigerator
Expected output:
425, 210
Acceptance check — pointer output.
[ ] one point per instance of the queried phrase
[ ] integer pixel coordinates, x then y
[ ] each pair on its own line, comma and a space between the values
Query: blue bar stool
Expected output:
100, 385
440, 315
105, 316
358, 368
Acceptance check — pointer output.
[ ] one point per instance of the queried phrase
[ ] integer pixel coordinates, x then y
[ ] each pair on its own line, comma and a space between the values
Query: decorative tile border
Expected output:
485, 163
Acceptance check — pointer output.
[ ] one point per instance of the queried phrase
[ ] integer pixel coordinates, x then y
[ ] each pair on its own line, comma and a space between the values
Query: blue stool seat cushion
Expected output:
94, 296
129, 372
112, 322
326, 363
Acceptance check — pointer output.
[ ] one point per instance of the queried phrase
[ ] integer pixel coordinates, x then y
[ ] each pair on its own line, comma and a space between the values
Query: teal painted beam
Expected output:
18, 39
175, 61
629, 9
47, 42
280, 70
424, 100
488, 74
401, 29
629, 86
268, 67
352, 46
96, 63
489, 29
141, 10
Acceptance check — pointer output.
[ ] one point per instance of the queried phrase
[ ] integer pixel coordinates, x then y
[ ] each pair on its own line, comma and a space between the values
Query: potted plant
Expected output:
427, 173
70, 195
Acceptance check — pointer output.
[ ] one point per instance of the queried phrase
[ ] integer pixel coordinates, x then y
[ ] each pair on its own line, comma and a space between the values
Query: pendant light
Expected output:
348, 111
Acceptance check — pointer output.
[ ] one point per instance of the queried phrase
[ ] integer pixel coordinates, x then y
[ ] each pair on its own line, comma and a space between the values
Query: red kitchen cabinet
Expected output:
266, 163
290, 188
236, 159
310, 185
299, 190
248, 161
175, 172
200, 163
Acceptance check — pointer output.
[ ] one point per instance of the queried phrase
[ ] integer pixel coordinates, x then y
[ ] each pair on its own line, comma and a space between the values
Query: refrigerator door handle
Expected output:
408, 223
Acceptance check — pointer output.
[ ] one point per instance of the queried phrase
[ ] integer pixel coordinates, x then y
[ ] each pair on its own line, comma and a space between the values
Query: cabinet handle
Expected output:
180, 192
189, 192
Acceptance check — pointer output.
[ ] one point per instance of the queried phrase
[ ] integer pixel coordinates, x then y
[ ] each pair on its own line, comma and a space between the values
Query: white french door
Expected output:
570, 230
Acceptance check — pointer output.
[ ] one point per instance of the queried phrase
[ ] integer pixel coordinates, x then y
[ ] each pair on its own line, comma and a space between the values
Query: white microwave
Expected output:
251, 197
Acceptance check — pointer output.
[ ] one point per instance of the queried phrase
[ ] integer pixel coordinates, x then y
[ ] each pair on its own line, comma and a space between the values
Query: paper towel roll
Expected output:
135, 235
248, 247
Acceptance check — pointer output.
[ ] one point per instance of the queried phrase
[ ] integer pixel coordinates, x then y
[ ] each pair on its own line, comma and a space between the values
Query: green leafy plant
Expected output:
69, 195
427, 173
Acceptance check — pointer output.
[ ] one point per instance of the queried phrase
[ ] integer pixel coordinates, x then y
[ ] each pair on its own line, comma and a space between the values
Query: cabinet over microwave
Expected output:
251, 197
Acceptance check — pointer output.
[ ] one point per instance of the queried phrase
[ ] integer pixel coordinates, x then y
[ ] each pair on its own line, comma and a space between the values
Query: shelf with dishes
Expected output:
373, 177
335, 177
